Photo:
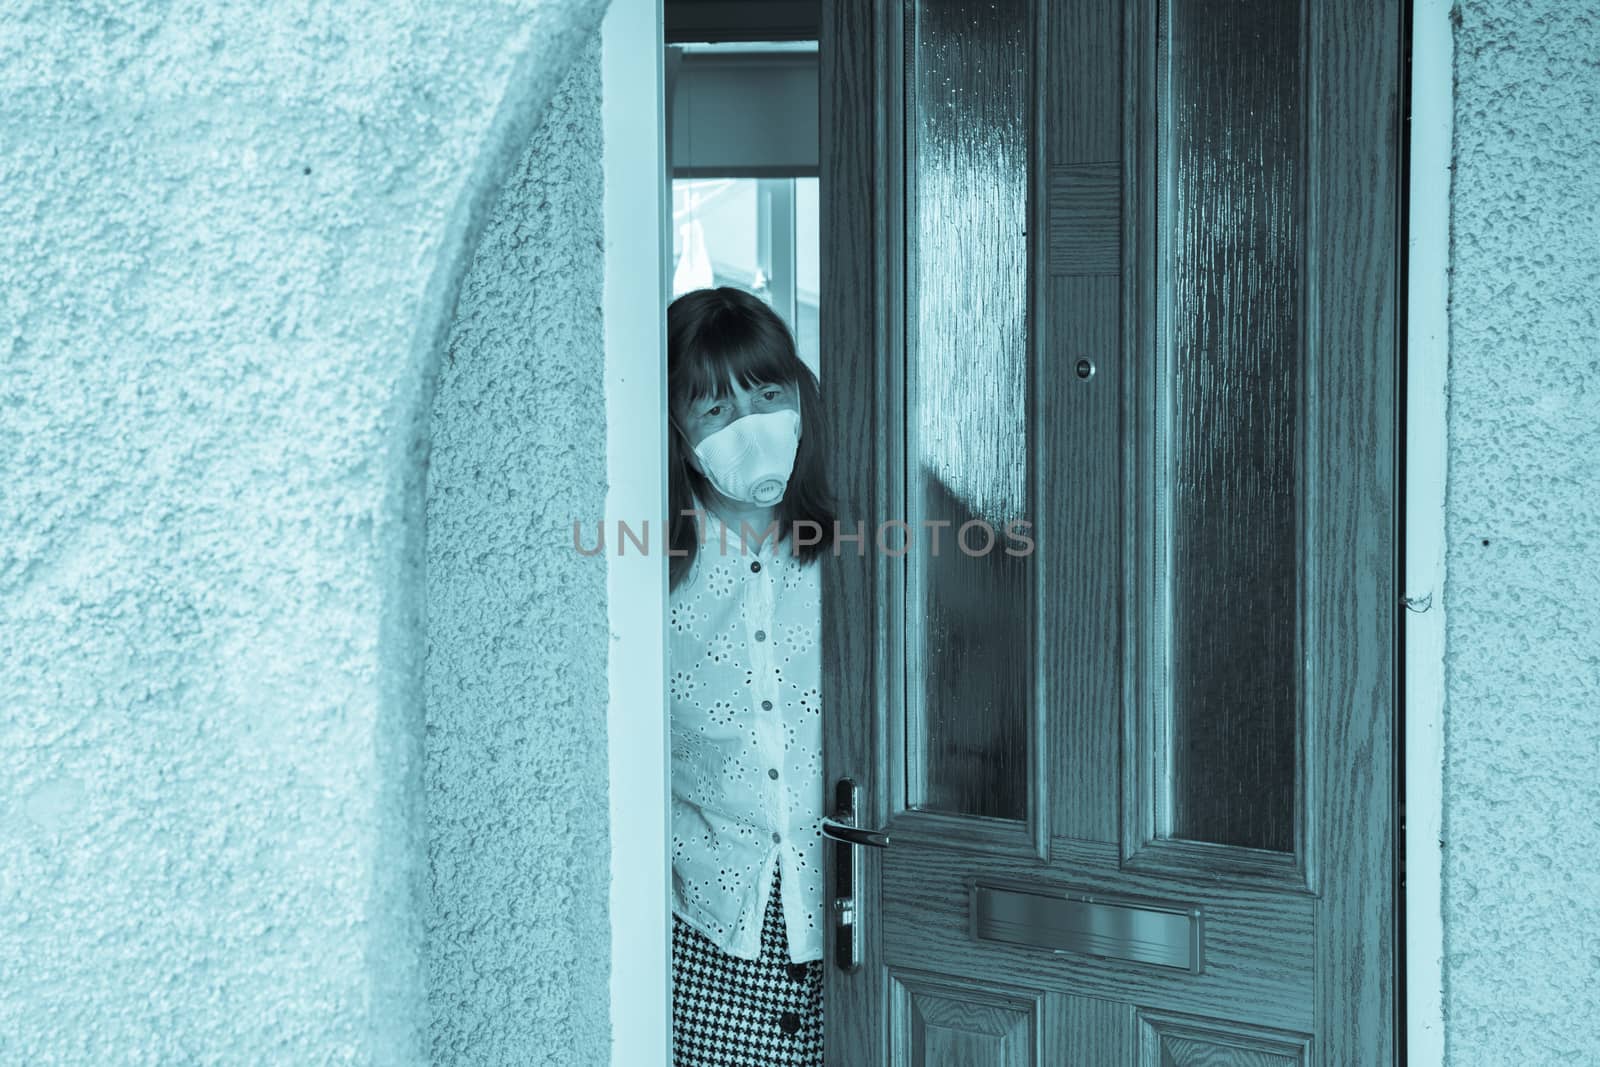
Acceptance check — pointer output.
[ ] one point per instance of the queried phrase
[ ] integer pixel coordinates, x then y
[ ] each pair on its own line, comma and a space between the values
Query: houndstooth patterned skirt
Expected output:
729, 1012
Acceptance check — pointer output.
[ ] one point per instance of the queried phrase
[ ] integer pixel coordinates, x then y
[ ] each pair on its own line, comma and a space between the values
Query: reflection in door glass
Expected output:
968, 617
1234, 250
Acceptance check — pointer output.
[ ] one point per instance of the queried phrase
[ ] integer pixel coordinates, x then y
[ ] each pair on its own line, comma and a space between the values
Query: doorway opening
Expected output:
739, 227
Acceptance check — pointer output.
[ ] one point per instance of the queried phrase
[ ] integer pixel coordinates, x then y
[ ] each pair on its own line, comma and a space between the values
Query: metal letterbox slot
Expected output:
1159, 934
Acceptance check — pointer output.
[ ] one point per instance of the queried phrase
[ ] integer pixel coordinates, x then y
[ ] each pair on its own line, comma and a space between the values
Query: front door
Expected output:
1124, 277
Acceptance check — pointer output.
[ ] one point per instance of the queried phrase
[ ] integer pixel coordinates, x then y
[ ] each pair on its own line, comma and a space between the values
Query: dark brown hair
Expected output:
714, 335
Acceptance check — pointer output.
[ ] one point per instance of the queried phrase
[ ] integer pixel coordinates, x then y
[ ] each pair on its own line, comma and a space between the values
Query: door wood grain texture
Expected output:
1129, 272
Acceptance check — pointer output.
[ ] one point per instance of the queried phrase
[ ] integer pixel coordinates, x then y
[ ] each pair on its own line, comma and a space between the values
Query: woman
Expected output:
752, 514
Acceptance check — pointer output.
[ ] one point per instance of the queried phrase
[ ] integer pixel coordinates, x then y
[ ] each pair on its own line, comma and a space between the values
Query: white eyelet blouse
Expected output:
746, 685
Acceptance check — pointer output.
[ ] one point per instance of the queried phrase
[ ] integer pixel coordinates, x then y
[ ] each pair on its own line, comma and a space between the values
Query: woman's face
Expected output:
706, 415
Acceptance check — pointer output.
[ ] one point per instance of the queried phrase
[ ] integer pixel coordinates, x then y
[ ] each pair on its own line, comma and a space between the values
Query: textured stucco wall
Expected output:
1522, 719
231, 236
518, 950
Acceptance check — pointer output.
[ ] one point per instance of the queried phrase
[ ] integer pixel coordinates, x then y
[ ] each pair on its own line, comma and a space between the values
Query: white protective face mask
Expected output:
750, 459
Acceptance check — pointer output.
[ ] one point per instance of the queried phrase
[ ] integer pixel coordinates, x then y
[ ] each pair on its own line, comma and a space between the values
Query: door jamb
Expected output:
1424, 458
637, 267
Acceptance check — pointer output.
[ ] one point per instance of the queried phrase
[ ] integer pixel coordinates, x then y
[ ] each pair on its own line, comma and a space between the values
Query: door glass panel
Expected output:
1233, 240
968, 615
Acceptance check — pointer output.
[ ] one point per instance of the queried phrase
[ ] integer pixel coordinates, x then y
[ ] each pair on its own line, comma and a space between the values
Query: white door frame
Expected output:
1427, 357
636, 289
637, 270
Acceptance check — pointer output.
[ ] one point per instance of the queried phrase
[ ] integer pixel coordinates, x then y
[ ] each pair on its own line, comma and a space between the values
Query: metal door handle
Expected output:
848, 839
855, 835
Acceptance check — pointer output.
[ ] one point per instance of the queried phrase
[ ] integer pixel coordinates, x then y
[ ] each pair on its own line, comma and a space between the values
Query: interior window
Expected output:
742, 138
758, 234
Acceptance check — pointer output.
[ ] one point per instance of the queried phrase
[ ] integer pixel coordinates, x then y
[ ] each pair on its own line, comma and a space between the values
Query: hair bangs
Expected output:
731, 347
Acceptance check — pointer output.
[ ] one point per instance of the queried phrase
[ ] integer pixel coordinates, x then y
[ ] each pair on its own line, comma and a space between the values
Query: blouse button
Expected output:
761, 635
776, 837
772, 772
766, 705
755, 566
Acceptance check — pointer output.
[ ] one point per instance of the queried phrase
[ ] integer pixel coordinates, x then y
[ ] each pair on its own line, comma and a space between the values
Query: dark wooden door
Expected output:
1126, 273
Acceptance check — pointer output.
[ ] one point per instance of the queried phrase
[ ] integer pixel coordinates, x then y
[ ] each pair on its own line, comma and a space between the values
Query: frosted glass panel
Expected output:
968, 617
1234, 252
